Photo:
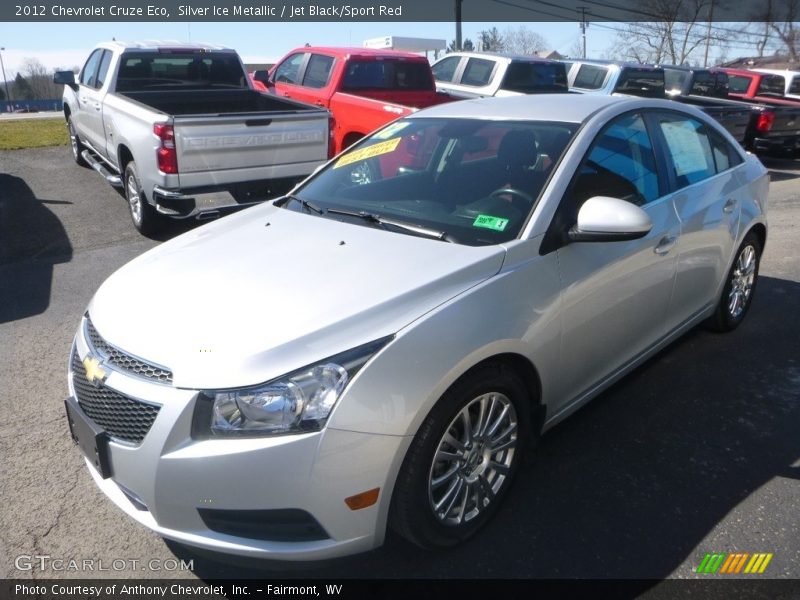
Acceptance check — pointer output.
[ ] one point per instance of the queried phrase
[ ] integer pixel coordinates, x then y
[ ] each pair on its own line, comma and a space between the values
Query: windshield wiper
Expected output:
304, 203
383, 222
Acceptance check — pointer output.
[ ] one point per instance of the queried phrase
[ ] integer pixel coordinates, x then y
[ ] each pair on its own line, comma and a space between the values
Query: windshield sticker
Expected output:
391, 130
490, 222
369, 152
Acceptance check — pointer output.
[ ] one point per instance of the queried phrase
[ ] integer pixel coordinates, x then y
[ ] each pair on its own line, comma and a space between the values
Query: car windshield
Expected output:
468, 181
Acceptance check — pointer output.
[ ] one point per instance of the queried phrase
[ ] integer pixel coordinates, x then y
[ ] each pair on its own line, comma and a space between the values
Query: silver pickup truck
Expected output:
179, 128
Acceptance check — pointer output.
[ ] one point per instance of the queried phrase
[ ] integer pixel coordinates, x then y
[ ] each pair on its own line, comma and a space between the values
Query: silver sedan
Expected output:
381, 346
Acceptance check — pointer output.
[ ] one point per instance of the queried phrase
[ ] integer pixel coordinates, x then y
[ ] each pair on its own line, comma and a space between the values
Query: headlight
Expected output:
297, 402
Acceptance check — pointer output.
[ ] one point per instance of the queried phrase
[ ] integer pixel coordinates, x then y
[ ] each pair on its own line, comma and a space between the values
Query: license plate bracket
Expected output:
89, 437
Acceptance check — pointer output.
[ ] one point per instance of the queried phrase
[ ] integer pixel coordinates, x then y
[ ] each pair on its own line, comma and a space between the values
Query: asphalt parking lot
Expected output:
697, 451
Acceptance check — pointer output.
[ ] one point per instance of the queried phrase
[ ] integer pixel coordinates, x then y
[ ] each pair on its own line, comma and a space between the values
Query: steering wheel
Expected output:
512, 192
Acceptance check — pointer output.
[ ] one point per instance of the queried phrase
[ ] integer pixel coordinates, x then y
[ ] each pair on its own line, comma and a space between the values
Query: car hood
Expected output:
267, 290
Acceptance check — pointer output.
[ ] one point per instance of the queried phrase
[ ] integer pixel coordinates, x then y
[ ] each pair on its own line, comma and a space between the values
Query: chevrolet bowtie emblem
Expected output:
94, 372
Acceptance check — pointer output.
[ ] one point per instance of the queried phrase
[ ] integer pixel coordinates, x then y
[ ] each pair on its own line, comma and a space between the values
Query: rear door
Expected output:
708, 175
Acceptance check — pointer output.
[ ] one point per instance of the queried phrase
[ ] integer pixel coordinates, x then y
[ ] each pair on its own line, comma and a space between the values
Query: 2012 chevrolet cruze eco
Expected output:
379, 347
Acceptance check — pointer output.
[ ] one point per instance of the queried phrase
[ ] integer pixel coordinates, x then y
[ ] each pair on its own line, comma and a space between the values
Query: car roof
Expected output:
503, 55
567, 108
156, 45
357, 51
784, 72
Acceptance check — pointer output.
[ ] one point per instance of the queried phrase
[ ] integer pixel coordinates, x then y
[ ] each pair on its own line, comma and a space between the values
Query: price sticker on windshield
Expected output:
490, 222
368, 152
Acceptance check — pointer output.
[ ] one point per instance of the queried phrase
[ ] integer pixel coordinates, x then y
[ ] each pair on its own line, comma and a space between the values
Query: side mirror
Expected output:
262, 76
605, 219
64, 78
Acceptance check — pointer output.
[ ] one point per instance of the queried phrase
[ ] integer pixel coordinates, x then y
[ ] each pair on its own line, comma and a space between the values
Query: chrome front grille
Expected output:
123, 361
122, 417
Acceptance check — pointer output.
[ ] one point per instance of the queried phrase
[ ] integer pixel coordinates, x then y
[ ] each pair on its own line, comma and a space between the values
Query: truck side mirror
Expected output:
64, 78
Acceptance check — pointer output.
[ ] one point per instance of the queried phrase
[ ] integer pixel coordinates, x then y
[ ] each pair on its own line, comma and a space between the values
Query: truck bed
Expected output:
216, 102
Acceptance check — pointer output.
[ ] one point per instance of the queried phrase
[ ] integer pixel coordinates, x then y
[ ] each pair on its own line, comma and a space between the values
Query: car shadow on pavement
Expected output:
32, 240
780, 168
632, 484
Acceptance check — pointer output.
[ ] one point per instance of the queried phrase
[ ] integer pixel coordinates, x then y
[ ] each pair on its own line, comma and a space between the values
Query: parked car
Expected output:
178, 127
362, 87
482, 74
635, 79
616, 77
708, 90
791, 81
776, 129
368, 353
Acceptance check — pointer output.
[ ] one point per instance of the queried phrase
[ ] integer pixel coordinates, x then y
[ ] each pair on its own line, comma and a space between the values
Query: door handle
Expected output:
665, 244
286, 94
320, 103
729, 206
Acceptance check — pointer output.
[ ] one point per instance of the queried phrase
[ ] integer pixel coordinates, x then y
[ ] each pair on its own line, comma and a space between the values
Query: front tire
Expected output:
461, 462
145, 218
737, 295
76, 146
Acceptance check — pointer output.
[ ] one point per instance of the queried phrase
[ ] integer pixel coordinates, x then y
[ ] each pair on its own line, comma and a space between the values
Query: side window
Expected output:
445, 69
689, 147
318, 71
738, 84
590, 77
289, 70
105, 62
90, 68
725, 155
621, 164
477, 72
794, 86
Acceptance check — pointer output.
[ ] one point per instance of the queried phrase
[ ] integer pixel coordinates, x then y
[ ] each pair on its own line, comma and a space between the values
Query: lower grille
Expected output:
122, 417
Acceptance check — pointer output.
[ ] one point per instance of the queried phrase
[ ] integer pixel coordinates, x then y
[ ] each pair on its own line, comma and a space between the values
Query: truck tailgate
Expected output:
222, 148
735, 120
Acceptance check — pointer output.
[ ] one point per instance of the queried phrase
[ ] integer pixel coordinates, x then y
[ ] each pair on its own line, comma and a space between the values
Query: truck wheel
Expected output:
145, 218
75, 144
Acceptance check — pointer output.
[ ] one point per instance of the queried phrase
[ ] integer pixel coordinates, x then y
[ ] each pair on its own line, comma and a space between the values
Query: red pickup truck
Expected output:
363, 88
776, 119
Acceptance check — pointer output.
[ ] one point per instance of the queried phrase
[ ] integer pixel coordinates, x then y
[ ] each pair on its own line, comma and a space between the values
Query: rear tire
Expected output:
737, 295
75, 145
463, 459
144, 216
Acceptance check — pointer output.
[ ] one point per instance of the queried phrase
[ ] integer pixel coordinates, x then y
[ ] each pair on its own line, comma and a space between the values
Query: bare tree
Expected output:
523, 41
776, 29
40, 79
675, 34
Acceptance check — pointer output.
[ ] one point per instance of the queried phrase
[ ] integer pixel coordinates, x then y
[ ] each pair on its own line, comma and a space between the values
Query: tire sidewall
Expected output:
428, 530
728, 321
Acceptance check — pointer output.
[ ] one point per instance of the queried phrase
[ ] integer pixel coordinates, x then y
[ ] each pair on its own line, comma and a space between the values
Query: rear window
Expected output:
179, 70
641, 82
529, 78
590, 77
387, 75
794, 87
674, 80
707, 83
738, 84
771, 85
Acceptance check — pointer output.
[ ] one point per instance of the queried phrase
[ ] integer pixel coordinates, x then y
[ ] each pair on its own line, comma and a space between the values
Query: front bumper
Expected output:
169, 482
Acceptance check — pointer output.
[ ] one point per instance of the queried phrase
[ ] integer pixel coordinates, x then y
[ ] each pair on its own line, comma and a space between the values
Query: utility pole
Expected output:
5, 81
584, 25
708, 33
458, 24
